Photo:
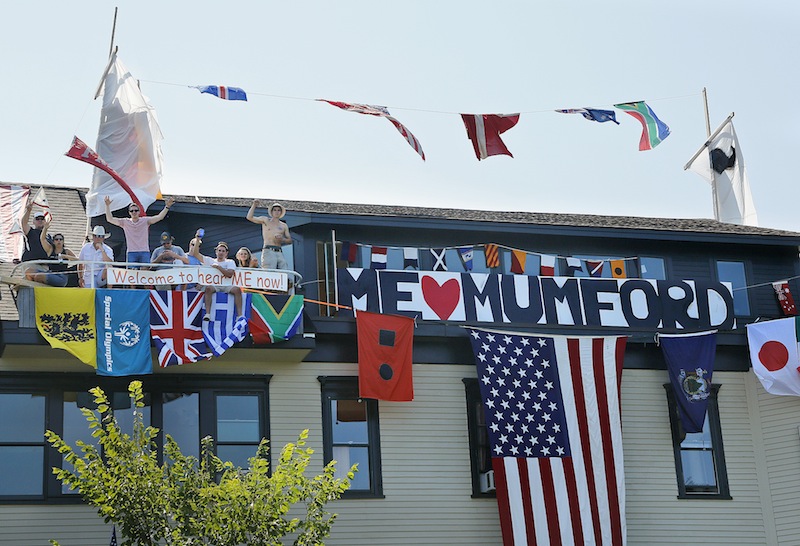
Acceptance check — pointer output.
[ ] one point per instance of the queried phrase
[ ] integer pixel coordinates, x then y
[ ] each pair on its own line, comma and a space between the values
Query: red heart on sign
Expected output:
442, 299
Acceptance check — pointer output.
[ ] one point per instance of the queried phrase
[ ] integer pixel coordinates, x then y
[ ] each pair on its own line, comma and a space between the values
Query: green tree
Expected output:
189, 501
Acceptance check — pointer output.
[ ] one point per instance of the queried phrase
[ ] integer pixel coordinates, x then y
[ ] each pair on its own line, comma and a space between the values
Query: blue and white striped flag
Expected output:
224, 330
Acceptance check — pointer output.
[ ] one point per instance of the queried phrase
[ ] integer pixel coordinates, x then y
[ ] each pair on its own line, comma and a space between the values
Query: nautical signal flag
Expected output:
654, 131
223, 92
785, 298
618, 269
385, 344
547, 265
774, 355
492, 252
484, 131
690, 363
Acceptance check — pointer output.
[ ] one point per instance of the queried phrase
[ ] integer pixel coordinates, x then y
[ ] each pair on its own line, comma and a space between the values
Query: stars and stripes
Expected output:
383, 112
553, 416
175, 325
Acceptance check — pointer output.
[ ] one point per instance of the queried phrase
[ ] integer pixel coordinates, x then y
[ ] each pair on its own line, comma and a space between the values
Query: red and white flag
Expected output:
785, 298
547, 267
380, 111
552, 409
13, 200
484, 131
175, 324
775, 354
80, 150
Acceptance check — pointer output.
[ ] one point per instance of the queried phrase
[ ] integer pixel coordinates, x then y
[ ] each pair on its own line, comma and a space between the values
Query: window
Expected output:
350, 435
699, 456
479, 451
652, 268
188, 408
733, 272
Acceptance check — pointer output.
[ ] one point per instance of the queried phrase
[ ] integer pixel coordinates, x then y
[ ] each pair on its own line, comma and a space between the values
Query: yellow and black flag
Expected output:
66, 319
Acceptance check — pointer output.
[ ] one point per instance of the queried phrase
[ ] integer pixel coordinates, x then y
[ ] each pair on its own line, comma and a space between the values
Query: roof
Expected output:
687, 225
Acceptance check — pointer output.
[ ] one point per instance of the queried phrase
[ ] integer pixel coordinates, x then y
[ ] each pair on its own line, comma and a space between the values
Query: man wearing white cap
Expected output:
91, 275
275, 234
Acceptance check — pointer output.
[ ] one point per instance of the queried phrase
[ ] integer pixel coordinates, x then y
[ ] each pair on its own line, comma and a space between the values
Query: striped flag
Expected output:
378, 257
12, 208
492, 253
410, 258
223, 92
654, 131
547, 267
382, 112
224, 330
553, 415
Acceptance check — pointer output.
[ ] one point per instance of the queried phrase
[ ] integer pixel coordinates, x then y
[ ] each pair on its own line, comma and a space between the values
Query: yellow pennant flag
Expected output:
66, 319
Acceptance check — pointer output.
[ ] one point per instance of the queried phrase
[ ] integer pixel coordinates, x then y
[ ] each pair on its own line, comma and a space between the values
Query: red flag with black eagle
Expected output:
385, 344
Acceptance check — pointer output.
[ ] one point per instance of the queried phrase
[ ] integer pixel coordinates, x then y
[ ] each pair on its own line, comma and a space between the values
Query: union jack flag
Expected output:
175, 318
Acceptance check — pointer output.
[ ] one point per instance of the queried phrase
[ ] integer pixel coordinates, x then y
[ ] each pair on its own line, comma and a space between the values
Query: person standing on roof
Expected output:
275, 234
137, 229
33, 244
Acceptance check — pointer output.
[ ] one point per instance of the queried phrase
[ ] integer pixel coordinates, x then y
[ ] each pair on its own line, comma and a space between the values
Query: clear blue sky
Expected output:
427, 61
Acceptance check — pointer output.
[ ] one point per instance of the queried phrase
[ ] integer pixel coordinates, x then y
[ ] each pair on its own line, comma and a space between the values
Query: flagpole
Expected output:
114, 30
708, 141
714, 194
112, 50
335, 275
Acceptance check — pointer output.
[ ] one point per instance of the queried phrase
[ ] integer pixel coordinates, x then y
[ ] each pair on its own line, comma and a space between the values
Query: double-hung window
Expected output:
232, 411
351, 434
699, 456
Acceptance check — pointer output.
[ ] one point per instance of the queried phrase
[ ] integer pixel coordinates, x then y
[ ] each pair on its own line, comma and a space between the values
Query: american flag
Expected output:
175, 318
383, 112
553, 413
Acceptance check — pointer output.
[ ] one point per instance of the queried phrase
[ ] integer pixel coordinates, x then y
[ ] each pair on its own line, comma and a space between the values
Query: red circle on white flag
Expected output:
773, 355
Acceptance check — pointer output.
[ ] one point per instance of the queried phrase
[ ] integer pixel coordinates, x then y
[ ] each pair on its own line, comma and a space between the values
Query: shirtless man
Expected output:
275, 233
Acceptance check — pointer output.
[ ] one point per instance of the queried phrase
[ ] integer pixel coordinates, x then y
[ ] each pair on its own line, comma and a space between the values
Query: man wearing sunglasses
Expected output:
137, 229
33, 245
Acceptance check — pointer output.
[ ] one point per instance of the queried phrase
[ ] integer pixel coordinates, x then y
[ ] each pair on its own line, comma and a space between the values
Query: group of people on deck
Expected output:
41, 246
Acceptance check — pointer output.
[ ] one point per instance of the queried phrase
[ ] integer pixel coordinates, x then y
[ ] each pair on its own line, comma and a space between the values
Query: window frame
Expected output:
477, 447
722, 491
53, 387
346, 388
746, 293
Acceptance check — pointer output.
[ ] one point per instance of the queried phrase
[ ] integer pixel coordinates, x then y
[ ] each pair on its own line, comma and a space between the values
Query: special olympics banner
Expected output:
257, 279
489, 297
123, 332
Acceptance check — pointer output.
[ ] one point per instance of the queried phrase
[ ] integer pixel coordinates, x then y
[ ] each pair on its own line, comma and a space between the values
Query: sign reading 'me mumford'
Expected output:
487, 297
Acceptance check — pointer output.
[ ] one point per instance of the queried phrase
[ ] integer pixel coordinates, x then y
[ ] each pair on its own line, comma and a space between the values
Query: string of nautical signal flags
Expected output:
483, 130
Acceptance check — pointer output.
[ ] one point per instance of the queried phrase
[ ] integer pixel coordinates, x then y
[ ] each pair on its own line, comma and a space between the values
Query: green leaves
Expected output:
186, 500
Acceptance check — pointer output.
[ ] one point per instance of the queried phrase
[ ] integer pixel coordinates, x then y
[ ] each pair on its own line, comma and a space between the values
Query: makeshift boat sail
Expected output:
129, 141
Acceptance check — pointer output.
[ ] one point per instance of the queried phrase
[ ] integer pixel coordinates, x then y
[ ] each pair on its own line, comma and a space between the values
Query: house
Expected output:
424, 475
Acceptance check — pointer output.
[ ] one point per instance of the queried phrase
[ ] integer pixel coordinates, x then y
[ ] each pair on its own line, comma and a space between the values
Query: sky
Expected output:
427, 61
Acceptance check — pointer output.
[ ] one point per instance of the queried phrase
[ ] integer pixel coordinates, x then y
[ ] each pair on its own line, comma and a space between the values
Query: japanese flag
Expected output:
774, 355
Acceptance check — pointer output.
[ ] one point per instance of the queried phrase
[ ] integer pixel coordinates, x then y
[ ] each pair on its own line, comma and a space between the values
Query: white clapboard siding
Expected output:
426, 470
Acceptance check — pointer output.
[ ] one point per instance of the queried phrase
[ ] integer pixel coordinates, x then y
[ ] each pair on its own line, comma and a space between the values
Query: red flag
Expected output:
785, 298
555, 433
484, 131
492, 255
385, 345
80, 151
